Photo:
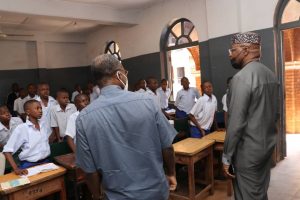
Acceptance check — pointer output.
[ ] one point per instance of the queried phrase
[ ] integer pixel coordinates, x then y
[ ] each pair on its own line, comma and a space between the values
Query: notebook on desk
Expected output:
14, 183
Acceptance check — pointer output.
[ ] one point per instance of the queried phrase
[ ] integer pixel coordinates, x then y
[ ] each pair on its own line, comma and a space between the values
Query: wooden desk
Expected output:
219, 138
40, 185
188, 152
74, 174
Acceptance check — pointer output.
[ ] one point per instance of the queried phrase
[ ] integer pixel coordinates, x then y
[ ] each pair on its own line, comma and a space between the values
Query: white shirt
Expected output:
185, 99
34, 143
18, 105
6, 133
27, 98
59, 118
74, 94
224, 99
156, 97
163, 97
204, 111
95, 94
46, 110
71, 126
141, 90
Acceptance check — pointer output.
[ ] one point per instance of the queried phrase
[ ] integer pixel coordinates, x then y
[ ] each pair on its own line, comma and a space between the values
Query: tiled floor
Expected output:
285, 177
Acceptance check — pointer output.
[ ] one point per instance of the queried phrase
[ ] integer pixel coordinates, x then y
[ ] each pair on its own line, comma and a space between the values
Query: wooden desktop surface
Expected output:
191, 146
67, 161
36, 179
218, 136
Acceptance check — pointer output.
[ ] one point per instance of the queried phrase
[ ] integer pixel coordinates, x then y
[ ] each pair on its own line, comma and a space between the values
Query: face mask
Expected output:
124, 84
234, 63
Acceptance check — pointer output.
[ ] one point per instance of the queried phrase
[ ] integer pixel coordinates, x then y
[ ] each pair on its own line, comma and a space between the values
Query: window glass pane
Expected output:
291, 12
177, 29
171, 40
183, 40
111, 47
187, 27
117, 47
194, 35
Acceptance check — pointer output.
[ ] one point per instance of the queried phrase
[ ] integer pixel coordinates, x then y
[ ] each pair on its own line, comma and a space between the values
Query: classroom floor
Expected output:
285, 177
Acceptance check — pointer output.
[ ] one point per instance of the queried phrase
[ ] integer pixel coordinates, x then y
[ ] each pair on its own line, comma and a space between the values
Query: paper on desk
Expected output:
170, 111
40, 168
14, 183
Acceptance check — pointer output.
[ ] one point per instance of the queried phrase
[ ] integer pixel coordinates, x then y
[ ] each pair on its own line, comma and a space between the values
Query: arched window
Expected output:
113, 48
287, 40
179, 47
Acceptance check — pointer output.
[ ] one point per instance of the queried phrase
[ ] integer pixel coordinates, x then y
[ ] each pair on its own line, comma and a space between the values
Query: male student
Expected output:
164, 94
185, 98
19, 104
81, 101
60, 114
203, 112
31, 137
7, 125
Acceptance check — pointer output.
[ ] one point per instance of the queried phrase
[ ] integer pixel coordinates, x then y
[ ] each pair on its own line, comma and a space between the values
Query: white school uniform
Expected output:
224, 102
19, 105
163, 97
59, 118
204, 111
141, 90
185, 99
71, 126
34, 143
46, 111
6, 133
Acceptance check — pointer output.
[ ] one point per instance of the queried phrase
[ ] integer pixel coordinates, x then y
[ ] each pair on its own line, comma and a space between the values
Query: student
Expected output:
141, 86
76, 92
7, 125
164, 94
151, 88
31, 89
81, 101
31, 137
47, 102
203, 112
19, 104
60, 114
185, 98
224, 102
12, 97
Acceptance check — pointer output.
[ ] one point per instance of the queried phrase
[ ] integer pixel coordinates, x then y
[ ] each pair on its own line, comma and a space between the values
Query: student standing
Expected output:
81, 101
203, 112
19, 104
60, 114
185, 99
164, 94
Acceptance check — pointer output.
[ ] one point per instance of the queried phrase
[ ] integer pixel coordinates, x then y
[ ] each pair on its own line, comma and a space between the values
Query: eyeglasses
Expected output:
231, 50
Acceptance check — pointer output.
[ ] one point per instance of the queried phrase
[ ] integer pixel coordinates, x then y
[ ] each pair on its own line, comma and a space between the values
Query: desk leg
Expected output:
191, 173
229, 187
62, 193
210, 171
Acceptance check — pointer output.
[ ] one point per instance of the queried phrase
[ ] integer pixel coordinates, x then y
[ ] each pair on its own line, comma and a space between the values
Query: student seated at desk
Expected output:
31, 137
81, 101
7, 125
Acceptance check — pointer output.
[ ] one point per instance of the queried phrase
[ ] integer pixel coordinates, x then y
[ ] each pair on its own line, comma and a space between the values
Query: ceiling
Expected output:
120, 4
20, 21
10, 22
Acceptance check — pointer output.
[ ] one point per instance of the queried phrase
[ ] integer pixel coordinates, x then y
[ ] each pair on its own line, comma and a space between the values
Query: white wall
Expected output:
212, 18
43, 51
144, 38
65, 54
18, 55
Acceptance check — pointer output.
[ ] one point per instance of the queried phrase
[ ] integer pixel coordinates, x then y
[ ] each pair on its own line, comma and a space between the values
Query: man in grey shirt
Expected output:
251, 135
123, 140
